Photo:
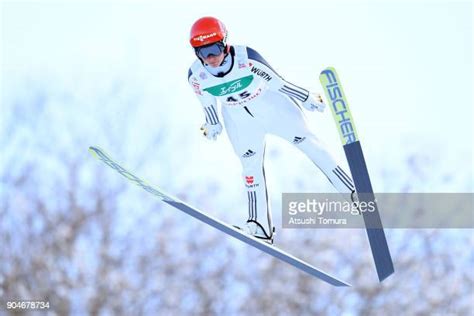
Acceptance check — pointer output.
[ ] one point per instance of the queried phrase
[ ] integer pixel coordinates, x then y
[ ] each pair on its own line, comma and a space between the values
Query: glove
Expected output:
211, 131
314, 102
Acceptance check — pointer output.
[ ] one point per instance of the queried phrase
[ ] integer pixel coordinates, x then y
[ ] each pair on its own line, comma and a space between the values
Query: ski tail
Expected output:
372, 220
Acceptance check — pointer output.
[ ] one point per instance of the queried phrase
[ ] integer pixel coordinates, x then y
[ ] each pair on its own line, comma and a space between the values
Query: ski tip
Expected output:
326, 70
94, 151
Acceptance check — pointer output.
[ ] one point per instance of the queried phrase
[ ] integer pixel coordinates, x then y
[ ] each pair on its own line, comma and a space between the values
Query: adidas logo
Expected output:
298, 140
249, 153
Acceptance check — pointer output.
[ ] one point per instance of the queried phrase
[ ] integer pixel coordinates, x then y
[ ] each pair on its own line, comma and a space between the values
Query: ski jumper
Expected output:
256, 101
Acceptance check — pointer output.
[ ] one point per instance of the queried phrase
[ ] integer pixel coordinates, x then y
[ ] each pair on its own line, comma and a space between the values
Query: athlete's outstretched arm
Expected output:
208, 101
276, 83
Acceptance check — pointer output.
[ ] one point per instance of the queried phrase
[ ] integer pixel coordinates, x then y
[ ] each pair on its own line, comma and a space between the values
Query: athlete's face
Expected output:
214, 61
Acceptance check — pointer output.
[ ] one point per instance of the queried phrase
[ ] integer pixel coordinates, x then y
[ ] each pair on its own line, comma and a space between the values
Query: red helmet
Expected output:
207, 30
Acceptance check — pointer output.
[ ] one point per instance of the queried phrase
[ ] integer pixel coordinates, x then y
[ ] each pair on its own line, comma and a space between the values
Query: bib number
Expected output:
241, 95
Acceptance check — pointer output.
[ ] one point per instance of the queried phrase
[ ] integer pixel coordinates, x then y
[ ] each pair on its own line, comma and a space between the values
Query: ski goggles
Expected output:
214, 49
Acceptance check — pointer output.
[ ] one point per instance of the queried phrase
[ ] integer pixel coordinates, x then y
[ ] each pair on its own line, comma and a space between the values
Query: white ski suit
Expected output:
255, 101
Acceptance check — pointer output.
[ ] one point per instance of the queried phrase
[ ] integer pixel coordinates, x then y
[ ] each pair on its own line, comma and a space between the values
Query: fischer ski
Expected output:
228, 229
355, 158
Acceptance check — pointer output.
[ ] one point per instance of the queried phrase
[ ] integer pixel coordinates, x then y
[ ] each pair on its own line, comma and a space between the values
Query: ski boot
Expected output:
255, 229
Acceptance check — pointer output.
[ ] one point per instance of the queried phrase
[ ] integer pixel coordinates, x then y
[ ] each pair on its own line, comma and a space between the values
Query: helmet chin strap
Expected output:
227, 50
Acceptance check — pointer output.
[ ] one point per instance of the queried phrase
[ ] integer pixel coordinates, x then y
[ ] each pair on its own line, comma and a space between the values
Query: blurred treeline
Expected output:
75, 234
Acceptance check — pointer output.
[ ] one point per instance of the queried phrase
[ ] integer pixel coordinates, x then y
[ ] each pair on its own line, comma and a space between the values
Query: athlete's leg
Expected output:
248, 140
288, 122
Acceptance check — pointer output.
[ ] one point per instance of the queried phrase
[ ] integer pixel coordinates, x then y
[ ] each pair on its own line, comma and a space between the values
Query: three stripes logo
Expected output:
295, 92
298, 140
344, 178
248, 154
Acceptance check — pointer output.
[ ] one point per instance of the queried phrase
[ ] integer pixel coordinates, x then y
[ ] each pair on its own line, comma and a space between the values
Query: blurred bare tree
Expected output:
74, 234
